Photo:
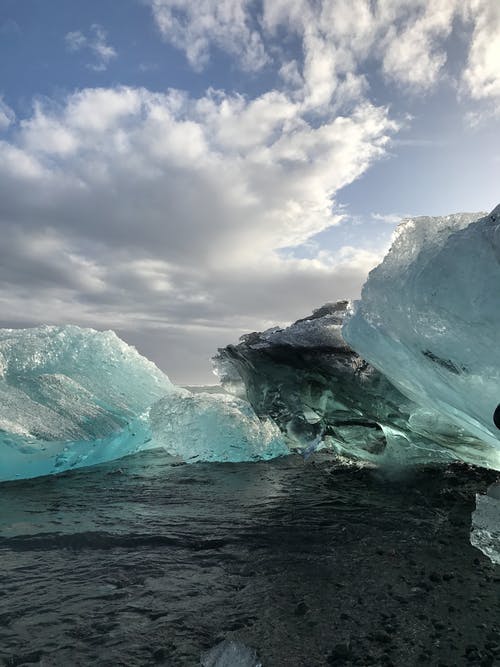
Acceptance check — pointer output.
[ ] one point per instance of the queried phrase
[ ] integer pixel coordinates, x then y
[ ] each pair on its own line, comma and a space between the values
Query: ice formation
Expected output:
72, 397
410, 375
230, 653
214, 427
485, 533
429, 320
428, 323
322, 394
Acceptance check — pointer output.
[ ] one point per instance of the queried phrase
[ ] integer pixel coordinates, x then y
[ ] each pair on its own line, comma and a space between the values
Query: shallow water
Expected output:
141, 562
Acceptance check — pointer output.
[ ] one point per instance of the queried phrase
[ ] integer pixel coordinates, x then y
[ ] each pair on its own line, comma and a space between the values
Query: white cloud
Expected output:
123, 205
104, 51
269, 175
389, 218
7, 115
416, 53
95, 42
194, 26
165, 216
343, 42
75, 41
481, 77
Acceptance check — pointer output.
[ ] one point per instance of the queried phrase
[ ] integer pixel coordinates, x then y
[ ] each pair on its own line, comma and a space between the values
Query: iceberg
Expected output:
410, 373
214, 427
322, 394
73, 397
429, 321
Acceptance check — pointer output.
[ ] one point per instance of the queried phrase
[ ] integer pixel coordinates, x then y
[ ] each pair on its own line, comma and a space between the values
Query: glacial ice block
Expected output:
429, 320
214, 427
71, 397
322, 394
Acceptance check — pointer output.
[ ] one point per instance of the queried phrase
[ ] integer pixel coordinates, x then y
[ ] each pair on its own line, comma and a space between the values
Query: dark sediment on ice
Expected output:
318, 389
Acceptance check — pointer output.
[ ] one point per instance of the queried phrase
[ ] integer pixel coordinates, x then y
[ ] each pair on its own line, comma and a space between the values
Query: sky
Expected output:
186, 171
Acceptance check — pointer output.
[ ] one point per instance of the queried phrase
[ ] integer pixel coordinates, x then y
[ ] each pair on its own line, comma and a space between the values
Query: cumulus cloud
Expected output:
482, 75
195, 26
169, 217
415, 54
342, 41
95, 42
133, 209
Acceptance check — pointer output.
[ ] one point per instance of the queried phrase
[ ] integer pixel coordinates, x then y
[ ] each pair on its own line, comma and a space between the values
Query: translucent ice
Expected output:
214, 427
429, 320
72, 397
230, 653
322, 394
413, 375
485, 533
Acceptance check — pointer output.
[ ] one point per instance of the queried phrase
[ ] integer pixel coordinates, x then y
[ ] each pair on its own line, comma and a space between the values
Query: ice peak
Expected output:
495, 214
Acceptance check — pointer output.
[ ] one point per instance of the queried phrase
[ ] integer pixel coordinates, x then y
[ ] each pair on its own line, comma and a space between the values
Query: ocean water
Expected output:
144, 562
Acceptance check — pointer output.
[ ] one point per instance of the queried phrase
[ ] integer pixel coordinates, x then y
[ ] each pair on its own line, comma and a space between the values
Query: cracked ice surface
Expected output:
71, 397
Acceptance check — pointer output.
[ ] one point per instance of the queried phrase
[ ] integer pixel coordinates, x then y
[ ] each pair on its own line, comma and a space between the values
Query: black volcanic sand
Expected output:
141, 562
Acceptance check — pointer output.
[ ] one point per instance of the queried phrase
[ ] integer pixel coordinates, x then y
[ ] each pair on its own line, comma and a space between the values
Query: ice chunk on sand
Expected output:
230, 653
485, 532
